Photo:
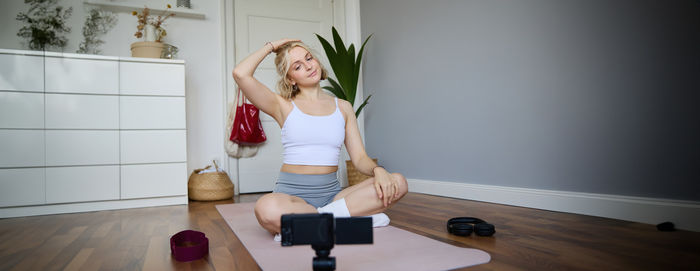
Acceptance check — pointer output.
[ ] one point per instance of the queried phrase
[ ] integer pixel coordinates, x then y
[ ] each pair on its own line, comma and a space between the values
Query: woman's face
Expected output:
304, 69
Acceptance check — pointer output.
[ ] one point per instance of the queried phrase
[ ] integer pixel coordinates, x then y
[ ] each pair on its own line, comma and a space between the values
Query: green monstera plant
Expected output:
346, 67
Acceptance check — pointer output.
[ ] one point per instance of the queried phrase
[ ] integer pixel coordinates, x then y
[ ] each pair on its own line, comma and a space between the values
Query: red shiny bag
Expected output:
247, 128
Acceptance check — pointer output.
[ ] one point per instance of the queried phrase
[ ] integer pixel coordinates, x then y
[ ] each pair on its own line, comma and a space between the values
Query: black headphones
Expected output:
462, 226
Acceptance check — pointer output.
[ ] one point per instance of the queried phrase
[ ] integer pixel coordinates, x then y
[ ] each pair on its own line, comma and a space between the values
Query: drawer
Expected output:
82, 75
138, 78
152, 112
21, 187
21, 148
23, 73
76, 184
156, 180
153, 146
73, 148
66, 111
21, 110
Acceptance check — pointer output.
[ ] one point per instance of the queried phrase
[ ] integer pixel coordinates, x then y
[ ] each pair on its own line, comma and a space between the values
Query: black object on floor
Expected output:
462, 226
666, 226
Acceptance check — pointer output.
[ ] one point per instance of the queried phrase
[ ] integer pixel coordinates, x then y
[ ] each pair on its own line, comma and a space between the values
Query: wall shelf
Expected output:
131, 6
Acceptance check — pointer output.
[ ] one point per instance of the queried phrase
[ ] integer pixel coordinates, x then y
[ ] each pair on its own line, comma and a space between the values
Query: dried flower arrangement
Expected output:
145, 18
97, 23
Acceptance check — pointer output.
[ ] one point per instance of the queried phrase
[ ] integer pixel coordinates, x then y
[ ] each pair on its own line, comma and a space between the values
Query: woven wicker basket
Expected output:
354, 176
210, 185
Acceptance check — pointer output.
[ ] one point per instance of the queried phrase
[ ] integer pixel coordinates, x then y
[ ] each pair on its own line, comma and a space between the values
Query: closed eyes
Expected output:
297, 66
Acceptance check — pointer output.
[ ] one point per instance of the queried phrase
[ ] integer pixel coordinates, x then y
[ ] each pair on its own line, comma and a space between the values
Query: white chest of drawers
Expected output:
85, 133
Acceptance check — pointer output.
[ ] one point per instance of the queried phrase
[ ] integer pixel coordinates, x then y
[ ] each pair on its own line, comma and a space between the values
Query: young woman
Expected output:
314, 125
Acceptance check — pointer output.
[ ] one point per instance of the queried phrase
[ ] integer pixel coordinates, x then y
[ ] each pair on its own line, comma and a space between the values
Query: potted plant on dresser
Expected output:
346, 67
151, 29
46, 25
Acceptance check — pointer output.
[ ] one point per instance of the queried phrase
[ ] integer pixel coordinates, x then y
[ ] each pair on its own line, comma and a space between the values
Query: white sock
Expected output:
380, 220
277, 238
338, 208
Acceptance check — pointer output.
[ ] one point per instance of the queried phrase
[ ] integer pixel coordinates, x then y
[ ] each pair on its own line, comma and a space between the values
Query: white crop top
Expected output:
313, 140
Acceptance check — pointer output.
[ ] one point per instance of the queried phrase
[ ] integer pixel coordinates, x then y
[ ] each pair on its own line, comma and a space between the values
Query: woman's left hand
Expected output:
387, 188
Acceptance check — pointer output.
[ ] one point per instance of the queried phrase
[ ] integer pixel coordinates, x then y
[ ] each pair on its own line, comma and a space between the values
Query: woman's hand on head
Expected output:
278, 43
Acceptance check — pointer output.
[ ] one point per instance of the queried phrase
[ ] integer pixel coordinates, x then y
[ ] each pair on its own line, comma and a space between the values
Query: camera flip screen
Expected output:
353, 230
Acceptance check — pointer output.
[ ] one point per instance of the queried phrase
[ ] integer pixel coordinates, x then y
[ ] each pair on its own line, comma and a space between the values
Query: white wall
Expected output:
200, 45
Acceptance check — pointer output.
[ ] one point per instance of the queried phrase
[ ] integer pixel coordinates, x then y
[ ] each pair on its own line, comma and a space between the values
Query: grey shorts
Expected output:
317, 190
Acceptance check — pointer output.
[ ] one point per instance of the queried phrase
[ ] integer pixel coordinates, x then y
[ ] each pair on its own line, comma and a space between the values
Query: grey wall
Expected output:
586, 96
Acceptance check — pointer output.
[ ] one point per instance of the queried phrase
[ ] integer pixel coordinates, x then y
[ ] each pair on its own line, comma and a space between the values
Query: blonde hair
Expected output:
286, 89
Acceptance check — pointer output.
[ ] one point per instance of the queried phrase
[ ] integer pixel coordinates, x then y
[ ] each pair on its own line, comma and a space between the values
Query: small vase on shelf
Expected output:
149, 47
149, 33
150, 28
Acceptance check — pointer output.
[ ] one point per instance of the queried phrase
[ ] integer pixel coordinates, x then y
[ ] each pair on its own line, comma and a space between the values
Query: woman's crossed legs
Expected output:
361, 200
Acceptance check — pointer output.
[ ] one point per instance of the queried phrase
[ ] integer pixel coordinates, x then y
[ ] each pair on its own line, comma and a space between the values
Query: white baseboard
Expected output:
90, 206
684, 214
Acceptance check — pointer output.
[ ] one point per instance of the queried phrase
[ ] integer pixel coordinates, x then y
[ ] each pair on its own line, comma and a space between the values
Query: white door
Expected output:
260, 21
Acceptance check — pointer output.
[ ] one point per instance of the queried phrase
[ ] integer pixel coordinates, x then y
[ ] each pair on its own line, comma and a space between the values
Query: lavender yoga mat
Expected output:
393, 248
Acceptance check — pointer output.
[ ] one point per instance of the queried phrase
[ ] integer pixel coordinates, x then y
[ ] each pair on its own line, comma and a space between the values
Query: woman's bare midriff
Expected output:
304, 169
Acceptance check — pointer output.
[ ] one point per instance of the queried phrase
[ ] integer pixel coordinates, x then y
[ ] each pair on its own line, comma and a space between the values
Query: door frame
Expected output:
346, 15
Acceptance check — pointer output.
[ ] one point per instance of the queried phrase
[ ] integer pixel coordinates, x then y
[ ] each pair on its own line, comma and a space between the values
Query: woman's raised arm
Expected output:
258, 94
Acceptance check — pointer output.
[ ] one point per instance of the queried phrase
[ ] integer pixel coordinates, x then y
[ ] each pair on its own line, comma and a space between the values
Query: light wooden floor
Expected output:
526, 239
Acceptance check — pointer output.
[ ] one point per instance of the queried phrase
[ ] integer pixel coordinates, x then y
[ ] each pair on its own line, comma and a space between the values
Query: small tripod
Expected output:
323, 261
322, 232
